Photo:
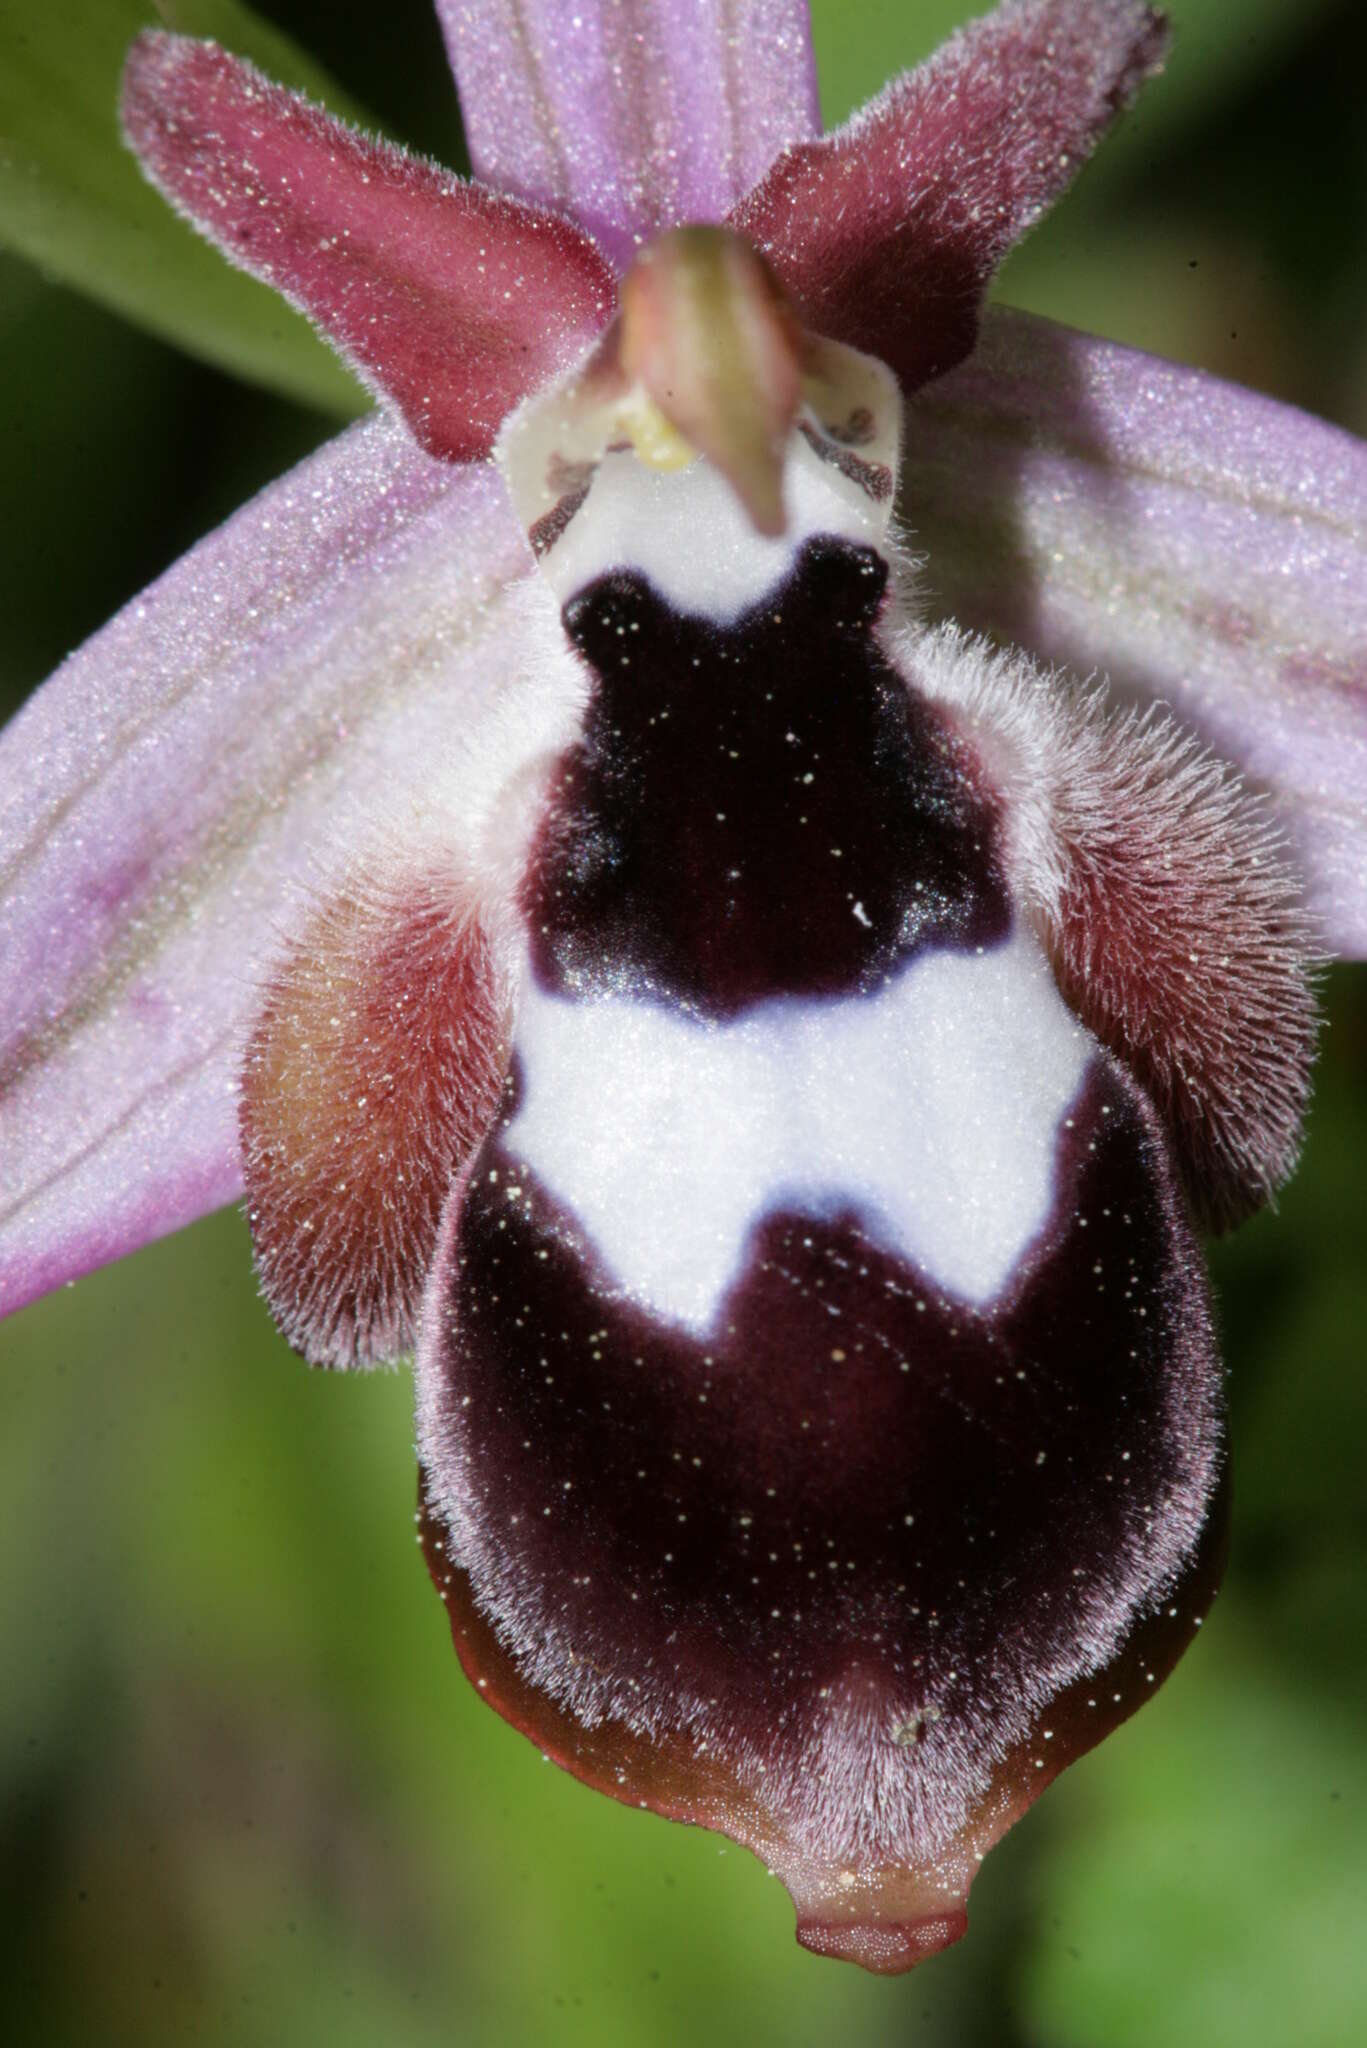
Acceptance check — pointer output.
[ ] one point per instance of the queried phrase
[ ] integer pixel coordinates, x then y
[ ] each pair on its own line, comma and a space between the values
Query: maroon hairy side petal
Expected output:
372, 1074
1179, 938
888, 231
1170, 905
447, 298
852, 1577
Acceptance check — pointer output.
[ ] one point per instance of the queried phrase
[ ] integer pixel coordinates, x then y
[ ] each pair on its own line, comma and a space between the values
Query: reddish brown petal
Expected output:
372, 1074
1180, 940
888, 231
446, 297
852, 1577
1168, 902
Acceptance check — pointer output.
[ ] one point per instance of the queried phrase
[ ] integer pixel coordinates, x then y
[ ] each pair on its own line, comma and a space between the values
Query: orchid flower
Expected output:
764, 1054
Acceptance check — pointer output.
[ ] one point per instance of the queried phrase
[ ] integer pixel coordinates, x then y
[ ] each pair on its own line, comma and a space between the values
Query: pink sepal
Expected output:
632, 118
177, 797
1200, 545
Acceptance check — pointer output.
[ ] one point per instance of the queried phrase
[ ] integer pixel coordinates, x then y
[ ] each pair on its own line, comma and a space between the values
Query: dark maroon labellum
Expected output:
841, 1564
855, 1480
740, 790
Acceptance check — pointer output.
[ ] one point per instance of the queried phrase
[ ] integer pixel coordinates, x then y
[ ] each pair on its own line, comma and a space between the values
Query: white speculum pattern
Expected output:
931, 1110
687, 533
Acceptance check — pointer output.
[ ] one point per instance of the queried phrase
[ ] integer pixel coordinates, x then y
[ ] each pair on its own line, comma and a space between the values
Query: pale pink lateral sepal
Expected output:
888, 230
447, 298
187, 785
1203, 546
632, 118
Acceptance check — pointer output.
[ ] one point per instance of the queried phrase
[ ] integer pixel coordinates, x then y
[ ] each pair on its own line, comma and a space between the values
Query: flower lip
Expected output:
887, 1927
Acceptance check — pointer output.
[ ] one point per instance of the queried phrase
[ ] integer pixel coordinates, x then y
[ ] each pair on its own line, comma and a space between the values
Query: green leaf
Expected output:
1207, 1884
73, 201
859, 48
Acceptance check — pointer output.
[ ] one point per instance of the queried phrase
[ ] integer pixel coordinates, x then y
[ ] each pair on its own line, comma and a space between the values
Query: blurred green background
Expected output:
246, 1795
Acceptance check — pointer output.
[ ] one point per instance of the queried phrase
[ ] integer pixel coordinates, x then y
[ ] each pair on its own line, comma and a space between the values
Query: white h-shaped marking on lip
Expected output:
687, 533
931, 1109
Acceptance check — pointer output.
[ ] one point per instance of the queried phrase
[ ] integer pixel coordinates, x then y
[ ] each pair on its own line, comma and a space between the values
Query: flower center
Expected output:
707, 367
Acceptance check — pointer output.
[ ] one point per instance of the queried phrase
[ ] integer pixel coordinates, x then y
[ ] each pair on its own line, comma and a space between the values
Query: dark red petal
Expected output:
1167, 899
446, 297
888, 231
373, 1073
853, 1577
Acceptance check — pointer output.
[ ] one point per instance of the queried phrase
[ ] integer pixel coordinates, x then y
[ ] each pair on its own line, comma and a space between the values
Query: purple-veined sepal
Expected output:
632, 119
1200, 545
191, 782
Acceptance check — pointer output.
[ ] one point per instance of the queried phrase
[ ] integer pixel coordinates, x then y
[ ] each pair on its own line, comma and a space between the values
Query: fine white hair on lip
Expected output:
930, 1109
1166, 897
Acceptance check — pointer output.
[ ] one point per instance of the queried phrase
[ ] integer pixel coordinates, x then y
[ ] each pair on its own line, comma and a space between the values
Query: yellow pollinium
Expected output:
656, 441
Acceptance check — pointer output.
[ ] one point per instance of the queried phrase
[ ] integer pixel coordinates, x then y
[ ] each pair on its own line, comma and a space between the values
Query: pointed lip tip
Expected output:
886, 1948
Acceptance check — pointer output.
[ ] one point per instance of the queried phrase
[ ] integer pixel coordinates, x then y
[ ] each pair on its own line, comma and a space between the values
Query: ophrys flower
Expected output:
823, 1525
